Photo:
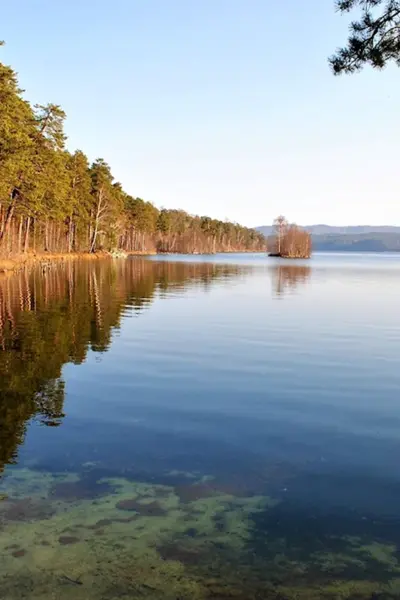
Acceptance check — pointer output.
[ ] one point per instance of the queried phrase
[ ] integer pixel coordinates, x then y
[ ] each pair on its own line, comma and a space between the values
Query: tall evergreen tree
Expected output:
16, 145
102, 192
79, 199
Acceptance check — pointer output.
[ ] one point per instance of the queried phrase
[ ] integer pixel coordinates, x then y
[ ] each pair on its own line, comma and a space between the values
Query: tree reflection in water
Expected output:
52, 317
287, 278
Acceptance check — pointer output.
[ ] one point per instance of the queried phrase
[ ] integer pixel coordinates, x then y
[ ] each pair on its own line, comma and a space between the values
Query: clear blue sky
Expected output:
219, 107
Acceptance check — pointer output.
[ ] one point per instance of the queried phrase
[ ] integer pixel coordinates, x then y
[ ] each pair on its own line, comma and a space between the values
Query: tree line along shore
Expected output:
56, 201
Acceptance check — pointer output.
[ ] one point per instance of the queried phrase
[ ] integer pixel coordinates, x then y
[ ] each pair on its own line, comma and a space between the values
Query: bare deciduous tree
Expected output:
289, 241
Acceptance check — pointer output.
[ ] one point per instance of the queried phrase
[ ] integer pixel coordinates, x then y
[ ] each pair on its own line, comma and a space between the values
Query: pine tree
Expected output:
374, 39
16, 144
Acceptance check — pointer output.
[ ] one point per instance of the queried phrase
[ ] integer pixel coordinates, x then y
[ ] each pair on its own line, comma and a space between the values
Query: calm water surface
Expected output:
221, 427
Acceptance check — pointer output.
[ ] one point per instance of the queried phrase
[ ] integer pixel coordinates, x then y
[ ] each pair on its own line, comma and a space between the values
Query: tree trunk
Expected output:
21, 222
90, 231
46, 236
58, 246
70, 233
7, 222
34, 233
1, 217
94, 237
97, 221
11, 238
26, 241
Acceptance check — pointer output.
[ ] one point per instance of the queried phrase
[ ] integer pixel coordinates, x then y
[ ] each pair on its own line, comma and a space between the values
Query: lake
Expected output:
201, 427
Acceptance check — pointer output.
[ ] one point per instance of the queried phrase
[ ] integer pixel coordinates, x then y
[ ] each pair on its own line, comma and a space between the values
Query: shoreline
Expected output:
288, 256
17, 262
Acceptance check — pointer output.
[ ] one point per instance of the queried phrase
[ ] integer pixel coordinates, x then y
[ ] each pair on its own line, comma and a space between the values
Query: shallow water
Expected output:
201, 427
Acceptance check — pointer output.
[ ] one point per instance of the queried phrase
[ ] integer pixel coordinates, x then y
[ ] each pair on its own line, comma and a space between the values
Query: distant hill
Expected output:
364, 242
345, 230
358, 238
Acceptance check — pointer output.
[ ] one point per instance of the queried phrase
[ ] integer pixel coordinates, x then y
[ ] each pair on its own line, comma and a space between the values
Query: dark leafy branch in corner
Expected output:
374, 39
52, 200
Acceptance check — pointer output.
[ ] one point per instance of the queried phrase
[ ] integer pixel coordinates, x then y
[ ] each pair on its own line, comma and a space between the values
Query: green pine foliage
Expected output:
374, 38
52, 200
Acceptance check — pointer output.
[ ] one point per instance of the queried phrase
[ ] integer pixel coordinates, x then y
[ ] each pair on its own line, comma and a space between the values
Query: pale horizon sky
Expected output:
224, 108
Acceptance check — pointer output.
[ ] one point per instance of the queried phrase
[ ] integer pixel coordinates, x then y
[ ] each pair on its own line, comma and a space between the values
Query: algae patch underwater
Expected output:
76, 536
110, 536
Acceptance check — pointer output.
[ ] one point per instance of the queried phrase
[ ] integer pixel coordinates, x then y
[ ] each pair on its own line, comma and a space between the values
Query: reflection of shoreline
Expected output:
287, 278
54, 316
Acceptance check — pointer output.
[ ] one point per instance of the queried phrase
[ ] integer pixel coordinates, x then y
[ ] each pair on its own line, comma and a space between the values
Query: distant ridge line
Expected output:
321, 229
352, 238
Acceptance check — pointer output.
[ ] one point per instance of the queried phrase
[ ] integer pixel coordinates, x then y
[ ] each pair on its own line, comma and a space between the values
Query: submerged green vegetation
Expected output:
52, 200
86, 536
124, 539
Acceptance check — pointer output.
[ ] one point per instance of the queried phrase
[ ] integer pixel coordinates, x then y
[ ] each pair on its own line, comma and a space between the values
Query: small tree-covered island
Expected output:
289, 240
54, 200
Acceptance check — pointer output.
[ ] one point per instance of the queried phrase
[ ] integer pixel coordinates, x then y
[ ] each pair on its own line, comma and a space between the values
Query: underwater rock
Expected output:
18, 553
182, 554
206, 489
69, 580
151, 509
69, 529
191, 532
126, 519
191, 493
65, 540
219, 522
83, 489
101, 523
129, 504
25, 510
